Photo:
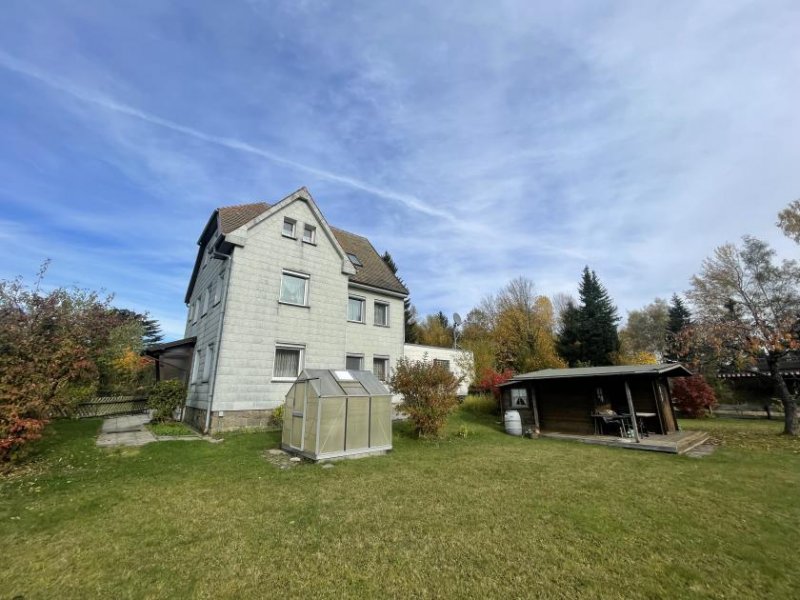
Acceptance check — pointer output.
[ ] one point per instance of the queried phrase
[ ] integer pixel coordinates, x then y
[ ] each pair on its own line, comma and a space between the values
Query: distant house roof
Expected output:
372, 271
667, 369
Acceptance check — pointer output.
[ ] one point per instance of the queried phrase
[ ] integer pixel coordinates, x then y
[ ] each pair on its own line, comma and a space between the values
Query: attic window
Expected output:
354, 259
288, 227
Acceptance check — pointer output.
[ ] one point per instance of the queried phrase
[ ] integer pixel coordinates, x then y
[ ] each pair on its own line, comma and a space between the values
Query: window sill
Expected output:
379, 325
356, 322
309, 243
293, 304
284, 379
289, 237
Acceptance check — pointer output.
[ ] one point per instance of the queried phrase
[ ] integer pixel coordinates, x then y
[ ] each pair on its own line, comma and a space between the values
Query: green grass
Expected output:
170, 428
487, 515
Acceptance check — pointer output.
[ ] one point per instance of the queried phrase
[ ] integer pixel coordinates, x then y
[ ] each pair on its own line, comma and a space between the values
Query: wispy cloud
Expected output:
474, 142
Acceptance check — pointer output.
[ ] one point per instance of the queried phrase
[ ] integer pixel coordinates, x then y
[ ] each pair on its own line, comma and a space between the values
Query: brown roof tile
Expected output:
373, 272
233, 217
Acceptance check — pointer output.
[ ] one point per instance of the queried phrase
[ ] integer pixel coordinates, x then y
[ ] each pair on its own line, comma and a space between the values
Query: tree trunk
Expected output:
788, 401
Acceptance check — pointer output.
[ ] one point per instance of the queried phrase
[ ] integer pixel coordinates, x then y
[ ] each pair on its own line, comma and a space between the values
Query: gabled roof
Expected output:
666, 369
233, 217
373, 272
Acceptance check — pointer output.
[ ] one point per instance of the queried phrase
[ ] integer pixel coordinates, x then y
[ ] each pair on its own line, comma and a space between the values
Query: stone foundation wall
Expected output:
230, 420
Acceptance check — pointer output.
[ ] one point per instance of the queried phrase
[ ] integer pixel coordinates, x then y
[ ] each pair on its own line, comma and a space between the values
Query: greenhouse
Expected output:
337, 414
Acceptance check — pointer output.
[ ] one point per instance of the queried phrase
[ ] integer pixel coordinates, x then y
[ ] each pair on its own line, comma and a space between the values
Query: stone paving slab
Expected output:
125, 438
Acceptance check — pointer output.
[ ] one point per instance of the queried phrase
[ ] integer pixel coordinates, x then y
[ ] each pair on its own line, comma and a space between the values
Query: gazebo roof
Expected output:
665, 369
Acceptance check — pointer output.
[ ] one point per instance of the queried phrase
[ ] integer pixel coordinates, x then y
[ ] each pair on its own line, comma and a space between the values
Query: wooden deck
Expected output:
673, 443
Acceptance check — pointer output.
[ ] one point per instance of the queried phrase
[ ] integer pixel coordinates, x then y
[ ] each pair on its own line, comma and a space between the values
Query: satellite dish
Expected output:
457, 319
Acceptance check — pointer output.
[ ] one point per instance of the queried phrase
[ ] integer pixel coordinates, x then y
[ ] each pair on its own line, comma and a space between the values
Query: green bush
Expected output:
165, 398
276, 418
429, 394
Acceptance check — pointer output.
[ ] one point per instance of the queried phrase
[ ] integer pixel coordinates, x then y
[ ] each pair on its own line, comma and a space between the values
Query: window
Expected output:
442, 363
355, 309
294, 288
381, 314
380, 367
217, 293
354, 259
288, 227
191, 311
519, 398
288, 362
198, 358
207, 363
207, 297
309, 234
354, 362
195, 310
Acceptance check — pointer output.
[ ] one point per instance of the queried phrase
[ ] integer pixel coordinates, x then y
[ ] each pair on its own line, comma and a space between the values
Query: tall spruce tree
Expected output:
679, 317
588, 333
409, 314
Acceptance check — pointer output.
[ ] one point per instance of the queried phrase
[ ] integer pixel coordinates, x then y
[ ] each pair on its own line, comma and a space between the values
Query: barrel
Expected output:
513, 422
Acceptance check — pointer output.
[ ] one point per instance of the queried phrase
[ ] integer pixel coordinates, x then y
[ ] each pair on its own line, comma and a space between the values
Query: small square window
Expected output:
442, 363
309, 234
354, 362
289, 227
354, 259
288, 362
519, 398
294, 289
382, 314
380, 367
355, 309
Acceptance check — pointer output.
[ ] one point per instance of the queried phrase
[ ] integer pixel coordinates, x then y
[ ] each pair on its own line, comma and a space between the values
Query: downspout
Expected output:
224, 304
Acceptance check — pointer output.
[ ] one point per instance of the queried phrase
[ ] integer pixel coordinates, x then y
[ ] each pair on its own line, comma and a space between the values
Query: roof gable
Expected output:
373, 272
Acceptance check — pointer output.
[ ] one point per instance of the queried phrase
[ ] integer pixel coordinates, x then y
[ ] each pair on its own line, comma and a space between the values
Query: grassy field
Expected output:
485, 515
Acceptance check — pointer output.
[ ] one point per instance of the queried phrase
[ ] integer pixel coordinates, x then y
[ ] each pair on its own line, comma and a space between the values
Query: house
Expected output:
627, 406
276, 290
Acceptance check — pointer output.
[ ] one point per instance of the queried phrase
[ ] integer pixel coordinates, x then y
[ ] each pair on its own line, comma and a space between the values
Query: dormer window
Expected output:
289, 226
309, 234
354, 259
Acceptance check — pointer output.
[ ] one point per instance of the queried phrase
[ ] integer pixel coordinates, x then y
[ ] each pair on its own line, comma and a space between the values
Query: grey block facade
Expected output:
241, 331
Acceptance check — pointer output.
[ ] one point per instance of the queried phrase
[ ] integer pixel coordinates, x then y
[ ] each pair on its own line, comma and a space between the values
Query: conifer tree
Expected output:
409, 313
589, 331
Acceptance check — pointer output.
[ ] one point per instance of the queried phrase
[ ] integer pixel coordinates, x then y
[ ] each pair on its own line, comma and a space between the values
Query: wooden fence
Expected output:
107, 406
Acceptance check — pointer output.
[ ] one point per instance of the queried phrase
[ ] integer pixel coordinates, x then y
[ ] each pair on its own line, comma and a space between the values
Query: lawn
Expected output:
485, 515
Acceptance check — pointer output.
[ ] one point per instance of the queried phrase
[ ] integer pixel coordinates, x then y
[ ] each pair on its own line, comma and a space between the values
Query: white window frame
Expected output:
374, 320
198, 357
298, 275
442, 362
518, 400
197, 308
363, 308
191, 312
312, 239
360, 358
293, 223
300, 363
207, 366
207, 297
385, 360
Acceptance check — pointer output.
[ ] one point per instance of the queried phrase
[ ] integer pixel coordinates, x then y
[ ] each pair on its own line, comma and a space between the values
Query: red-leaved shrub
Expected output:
15, 432
429, 394
693, 396
491, 380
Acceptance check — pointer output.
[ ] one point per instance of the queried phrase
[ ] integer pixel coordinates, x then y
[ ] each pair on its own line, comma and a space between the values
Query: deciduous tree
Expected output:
746, 301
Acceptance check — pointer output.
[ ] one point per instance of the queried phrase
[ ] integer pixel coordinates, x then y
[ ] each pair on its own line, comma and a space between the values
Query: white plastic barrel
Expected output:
513, 422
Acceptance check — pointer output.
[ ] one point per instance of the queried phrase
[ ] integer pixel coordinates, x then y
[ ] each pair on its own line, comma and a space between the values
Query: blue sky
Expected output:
475, 141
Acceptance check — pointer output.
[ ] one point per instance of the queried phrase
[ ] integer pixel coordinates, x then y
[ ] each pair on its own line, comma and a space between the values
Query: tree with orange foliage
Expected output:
747, 303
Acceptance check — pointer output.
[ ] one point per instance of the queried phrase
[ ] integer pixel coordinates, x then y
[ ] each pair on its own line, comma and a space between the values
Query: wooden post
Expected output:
657, 400
632, 411
535, 409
